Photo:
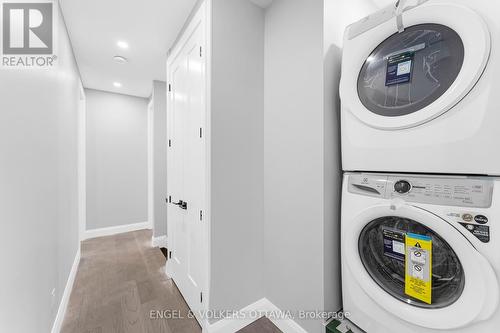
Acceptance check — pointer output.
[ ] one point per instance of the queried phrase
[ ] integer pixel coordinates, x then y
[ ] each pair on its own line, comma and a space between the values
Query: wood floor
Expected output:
120, 280
263, 325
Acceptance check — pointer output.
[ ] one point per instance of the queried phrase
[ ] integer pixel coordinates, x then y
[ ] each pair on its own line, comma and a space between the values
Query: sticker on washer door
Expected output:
418, 263
394, 244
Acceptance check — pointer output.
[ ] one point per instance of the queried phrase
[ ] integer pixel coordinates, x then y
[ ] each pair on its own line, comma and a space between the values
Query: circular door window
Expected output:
410, 70
388, 269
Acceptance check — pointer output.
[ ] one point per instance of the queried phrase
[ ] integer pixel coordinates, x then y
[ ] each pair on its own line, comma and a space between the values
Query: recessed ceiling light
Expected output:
120, 59
117, 84
122, 44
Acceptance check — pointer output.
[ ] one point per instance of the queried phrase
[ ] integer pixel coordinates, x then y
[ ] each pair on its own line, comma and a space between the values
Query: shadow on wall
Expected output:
333, 176
333, 62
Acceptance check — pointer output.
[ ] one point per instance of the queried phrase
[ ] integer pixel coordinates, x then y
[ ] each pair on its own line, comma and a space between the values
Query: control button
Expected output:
481, 219
402, 187
467, 217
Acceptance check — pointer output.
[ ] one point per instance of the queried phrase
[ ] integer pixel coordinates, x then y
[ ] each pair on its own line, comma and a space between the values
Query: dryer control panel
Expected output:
445, 191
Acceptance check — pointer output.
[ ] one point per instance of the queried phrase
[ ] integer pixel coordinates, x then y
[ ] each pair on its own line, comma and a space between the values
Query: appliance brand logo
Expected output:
28, 36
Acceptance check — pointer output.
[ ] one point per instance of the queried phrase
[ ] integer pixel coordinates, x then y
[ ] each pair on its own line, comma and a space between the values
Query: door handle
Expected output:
181, 204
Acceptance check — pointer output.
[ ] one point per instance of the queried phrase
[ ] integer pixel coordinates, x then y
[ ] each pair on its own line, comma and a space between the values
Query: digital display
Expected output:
399, 68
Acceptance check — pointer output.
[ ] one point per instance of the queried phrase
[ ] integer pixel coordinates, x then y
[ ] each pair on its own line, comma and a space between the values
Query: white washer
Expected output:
425, 99
383, 214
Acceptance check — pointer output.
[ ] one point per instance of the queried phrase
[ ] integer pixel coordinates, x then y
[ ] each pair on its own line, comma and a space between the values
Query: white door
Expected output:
461, 276
186, 181
176, 166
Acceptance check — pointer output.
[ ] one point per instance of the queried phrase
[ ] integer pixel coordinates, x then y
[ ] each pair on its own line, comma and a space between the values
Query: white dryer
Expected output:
420, 253
420, 89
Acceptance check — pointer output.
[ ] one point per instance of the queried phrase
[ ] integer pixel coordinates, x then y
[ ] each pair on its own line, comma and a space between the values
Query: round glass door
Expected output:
410, 70
388, 269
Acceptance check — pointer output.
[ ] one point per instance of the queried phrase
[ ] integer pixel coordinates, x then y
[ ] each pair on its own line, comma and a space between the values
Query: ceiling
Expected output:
150, 27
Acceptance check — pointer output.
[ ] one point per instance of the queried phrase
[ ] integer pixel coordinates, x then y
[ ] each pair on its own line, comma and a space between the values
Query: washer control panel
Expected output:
446, 191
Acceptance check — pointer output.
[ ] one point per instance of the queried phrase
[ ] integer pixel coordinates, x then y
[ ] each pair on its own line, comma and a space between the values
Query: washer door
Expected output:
464, 285
408, 78
388, 269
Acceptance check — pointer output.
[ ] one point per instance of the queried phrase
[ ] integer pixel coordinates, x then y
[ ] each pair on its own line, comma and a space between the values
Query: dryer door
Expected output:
408, 78
459, 275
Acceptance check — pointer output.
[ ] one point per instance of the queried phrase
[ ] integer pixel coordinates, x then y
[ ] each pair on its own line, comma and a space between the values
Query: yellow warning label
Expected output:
418, 262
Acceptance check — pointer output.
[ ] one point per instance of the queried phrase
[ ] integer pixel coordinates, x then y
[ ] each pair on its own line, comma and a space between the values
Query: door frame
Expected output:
201, 15
151, 205
480, 279
82, 163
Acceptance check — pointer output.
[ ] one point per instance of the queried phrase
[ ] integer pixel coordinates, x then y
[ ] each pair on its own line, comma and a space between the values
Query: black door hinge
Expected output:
169, 87
170, 143
201, 215
201, 132
201, 52
170, 255
201, 297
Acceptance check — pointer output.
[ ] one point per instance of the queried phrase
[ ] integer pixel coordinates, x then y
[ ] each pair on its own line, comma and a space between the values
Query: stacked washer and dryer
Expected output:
420, 93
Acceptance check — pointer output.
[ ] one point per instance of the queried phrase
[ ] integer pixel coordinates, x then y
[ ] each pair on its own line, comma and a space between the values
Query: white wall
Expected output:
237, 154
116, 159
39, 189
159, 99
302, 154
293, 156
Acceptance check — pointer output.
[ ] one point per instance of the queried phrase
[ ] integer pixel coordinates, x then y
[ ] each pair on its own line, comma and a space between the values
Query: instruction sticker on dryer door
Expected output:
399, 68
418, 263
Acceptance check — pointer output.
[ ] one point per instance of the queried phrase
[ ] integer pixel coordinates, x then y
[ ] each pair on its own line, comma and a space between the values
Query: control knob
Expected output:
402, 187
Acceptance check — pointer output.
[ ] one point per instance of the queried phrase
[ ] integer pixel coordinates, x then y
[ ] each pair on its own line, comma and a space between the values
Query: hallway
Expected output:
120, 280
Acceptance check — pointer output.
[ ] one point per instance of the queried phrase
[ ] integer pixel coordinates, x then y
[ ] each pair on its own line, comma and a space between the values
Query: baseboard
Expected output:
63, 305
261, 307
94, 233
286, 325
231, 325
159, 241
